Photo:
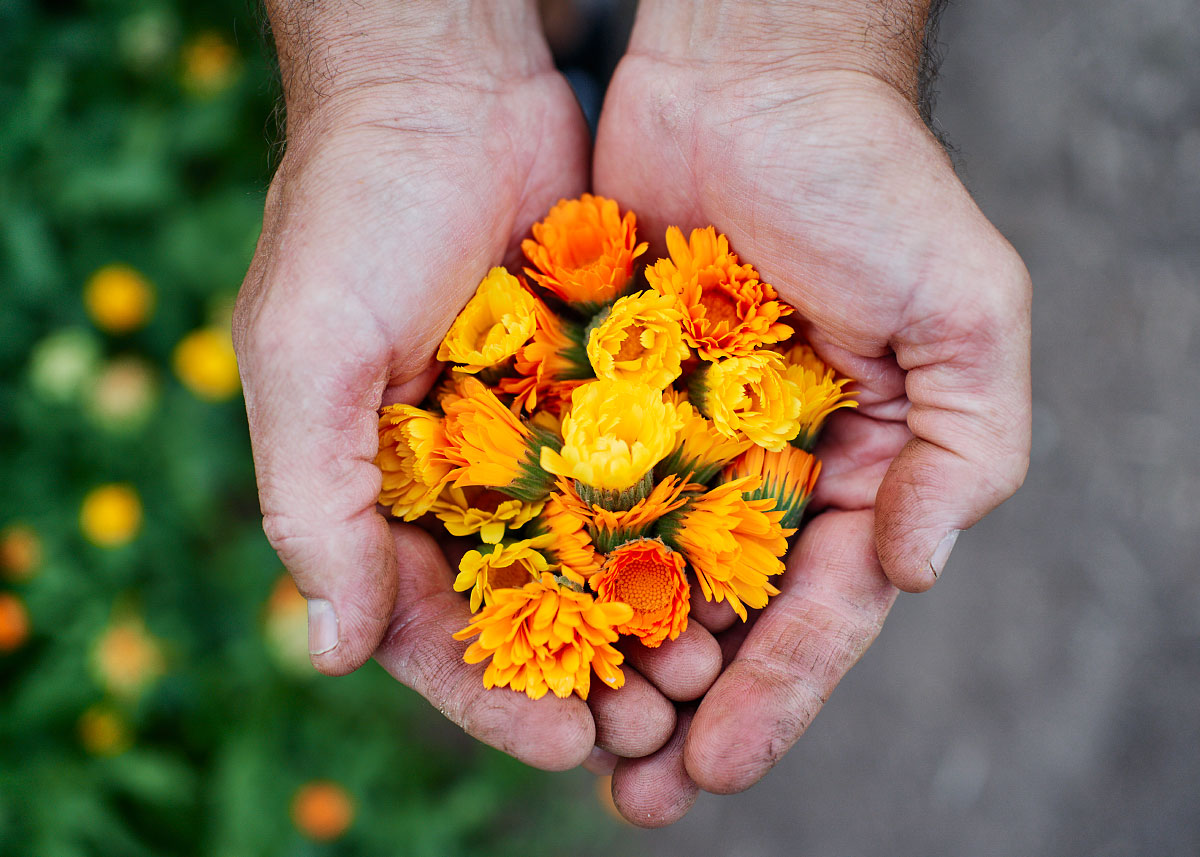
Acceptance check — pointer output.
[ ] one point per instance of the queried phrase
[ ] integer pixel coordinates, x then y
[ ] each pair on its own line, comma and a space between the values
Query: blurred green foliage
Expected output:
141, 133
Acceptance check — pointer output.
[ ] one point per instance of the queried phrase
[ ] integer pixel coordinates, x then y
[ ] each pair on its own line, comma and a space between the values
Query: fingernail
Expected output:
941, 554
322, 627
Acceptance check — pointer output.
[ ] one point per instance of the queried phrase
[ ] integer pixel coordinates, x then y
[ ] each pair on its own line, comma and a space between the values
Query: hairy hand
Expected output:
405, 178
825, 178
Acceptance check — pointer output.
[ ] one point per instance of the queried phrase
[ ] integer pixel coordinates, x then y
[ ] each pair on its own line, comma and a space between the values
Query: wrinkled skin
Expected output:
395, 196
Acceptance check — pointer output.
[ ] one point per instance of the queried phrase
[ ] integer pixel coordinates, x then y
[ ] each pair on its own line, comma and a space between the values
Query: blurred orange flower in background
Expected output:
20, 552
127, 658
14, 622
322, 810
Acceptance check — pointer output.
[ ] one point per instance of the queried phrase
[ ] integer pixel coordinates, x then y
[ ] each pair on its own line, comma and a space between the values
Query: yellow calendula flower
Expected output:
652, 579
614, 435
118, 298
727, 310
410, 440
571, 547
488, 447
492, 327
127, 658
788, 477
584, 250
482, 511
821, 392
210, 63
733, 544
639, 339
111, 515
545, 637
104, 732
749, 396
700, 450
506, 567
205, 363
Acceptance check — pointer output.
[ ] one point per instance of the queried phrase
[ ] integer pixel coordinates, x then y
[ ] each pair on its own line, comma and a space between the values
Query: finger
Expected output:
682, 669
656, 791
833, 600
967, 357
716, 616
632, 721
311, 402
549, 733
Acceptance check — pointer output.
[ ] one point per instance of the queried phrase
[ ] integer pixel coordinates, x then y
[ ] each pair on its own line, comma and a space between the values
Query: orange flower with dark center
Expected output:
651, 578
727, 310
584, 250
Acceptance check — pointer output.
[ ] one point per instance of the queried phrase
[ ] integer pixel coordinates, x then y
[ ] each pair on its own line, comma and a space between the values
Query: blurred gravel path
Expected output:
1044, 699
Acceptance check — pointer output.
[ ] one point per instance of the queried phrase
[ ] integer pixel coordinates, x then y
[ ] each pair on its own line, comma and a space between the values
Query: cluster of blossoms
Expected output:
613, 437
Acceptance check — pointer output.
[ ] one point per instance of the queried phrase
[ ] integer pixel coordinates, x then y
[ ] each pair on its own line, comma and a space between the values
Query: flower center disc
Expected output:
645, 585
719, 307
509, 576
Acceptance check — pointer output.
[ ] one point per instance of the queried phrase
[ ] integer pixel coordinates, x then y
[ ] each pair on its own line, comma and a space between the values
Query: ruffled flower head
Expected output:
727, 310
583, 251
788, 477
550, 366
488, 447
733, 544
638, 339
482, 511
492, 327
700, 451
652, 579
613, 436
749, 395
508, 566
413, 472
546, 637
820, 391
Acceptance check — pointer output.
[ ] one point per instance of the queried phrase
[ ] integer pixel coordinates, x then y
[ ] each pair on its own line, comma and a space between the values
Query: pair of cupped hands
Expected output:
421, 148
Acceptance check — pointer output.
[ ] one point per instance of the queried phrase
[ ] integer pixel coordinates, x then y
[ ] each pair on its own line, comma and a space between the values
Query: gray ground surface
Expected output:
1044, 698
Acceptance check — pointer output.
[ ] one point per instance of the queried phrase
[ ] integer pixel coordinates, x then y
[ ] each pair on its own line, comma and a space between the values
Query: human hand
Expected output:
794, 130
421, 143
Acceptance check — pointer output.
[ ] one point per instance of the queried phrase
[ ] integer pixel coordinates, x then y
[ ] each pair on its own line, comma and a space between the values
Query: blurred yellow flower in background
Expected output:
123, 396
285, 626
104, 732
14, 622
118, 298
322, 810
20, 551
205, 363
127, 658
210, 63
111, 515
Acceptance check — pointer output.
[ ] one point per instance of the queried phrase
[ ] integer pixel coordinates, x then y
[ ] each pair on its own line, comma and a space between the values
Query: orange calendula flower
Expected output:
788, 477
14, 622
497, 320
652, 579
572, 548
612, 527
638, 339
700, 451
613, 436
550, 365
546, 637
508, 566
733, 544
20, 552
482, 511
488, 447
583, 251
127, 658
748, 396
322, 810
413, 474
727, 310
821, 392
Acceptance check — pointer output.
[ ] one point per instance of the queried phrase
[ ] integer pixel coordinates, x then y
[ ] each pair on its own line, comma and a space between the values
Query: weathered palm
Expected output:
830, 184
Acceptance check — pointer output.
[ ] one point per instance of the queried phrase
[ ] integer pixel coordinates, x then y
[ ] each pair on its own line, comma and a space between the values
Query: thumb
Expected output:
312, 402
965, 347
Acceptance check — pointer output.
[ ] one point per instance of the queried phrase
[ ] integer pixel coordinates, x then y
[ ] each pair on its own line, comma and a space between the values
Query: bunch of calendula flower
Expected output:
613, 437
